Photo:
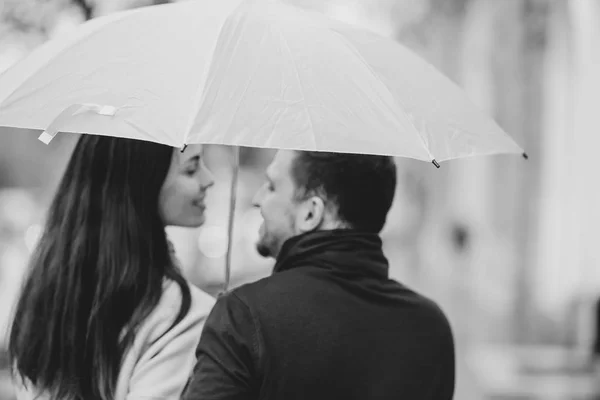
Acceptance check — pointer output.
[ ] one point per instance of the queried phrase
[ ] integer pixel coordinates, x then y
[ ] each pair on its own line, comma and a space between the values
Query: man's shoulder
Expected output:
268, 289
426, 306
249, 291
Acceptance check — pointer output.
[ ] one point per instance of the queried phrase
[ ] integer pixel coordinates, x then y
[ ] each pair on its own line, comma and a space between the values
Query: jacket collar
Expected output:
343, 250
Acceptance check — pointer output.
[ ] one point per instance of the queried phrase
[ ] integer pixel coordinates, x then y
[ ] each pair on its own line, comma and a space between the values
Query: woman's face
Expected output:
182, 196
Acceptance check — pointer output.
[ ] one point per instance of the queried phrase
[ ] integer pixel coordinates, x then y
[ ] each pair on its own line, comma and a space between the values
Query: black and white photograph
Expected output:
299, 199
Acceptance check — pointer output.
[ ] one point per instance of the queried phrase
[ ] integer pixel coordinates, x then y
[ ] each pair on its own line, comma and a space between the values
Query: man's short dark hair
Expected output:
361, 187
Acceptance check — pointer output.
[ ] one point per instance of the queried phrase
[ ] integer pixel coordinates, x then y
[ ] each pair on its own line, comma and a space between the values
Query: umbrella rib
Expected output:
312, 126
212, 75
241, 97
378, 78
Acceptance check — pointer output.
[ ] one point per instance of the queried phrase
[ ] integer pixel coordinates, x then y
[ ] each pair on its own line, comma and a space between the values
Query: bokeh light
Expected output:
212, 241
32, 236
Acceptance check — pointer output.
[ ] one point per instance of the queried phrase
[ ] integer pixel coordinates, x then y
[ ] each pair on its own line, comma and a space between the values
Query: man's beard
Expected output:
263, 250
269, 246
266, 244
270, 242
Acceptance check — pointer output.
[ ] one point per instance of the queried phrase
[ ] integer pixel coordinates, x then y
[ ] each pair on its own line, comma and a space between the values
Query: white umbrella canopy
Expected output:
250, 73
245, 73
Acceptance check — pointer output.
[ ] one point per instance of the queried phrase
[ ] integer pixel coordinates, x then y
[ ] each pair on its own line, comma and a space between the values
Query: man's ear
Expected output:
311, 215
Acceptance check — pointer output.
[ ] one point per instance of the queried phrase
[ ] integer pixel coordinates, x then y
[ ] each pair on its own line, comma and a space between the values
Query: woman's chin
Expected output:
195, 221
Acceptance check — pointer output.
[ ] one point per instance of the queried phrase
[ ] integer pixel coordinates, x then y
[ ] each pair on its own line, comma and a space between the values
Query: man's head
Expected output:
308, 191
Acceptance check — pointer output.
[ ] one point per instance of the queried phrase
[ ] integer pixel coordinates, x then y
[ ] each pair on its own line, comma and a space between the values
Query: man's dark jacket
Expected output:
328, 324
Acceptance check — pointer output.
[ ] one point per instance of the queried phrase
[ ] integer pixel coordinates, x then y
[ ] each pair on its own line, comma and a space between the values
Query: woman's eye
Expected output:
193, 166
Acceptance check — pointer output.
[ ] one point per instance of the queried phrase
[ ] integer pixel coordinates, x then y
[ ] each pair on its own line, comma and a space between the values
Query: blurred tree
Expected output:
86, 7
27, 16
520, 48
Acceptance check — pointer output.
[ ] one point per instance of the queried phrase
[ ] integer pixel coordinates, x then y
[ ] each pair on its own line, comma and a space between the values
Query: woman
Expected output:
105, 312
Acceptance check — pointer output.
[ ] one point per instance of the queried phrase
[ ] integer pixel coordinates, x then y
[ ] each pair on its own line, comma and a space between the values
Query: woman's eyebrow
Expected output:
194, 159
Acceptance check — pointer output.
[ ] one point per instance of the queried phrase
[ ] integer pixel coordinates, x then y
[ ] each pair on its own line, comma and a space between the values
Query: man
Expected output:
328, 323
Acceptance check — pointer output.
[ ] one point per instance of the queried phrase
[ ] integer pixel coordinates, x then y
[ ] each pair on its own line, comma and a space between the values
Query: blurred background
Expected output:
507, 247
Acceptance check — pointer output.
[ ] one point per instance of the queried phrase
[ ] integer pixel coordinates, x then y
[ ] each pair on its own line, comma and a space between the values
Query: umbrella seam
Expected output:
199, 98
312, 127
237, 108
398, 102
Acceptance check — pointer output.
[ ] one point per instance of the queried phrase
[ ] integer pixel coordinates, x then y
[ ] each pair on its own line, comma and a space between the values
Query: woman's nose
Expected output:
207, 179
256, 198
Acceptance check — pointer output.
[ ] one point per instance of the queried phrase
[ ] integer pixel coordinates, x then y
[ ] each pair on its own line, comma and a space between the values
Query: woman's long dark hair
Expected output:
98, 270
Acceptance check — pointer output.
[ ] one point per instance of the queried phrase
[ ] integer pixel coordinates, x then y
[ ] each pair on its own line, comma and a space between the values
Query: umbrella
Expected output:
245, 73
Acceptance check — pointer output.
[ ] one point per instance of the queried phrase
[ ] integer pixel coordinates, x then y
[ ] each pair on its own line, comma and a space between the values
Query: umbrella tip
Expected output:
525, 156
183, 148
437, 165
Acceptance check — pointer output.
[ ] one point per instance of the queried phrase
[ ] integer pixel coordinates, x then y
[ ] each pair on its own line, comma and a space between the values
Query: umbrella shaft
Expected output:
232, 205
